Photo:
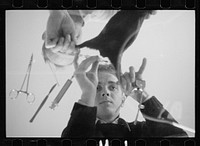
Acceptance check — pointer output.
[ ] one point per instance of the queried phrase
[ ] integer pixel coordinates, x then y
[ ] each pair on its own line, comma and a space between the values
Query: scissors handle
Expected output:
30, 98
139, 84
13, 94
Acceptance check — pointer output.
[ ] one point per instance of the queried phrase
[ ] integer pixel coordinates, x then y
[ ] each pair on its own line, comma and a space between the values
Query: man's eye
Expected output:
112, 87
99, 88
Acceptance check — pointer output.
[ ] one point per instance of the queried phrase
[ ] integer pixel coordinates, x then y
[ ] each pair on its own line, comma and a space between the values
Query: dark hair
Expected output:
107, 68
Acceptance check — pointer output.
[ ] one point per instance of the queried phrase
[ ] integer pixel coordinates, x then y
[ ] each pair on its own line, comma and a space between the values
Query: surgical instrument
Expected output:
61, 93
139, 86
42, 103
30, 97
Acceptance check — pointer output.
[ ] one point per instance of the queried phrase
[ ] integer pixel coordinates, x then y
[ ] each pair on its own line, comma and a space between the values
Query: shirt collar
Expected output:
115, 121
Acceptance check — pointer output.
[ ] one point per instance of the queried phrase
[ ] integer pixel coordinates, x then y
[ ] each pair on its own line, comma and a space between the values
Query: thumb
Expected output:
50, 42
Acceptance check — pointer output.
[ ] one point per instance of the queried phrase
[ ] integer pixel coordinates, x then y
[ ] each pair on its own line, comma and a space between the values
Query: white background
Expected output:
167, 40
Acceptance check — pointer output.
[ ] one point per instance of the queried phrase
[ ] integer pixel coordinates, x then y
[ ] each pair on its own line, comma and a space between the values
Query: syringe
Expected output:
61, 93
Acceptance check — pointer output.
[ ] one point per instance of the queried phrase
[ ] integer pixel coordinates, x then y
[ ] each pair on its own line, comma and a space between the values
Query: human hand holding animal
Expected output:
128, 81
59, 24
62, 33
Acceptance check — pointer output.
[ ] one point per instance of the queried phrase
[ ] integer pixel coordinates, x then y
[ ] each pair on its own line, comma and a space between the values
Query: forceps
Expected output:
30, 97
139, 85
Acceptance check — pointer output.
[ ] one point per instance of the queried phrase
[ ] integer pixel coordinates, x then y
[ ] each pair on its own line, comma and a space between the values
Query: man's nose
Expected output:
105, 92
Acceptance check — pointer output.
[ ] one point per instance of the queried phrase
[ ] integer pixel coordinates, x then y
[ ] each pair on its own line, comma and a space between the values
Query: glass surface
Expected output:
166, 39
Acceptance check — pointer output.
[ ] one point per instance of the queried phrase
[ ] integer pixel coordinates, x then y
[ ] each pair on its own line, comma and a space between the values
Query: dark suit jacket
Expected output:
82, 124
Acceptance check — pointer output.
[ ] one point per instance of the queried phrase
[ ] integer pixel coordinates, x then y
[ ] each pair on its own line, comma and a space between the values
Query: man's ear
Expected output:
123, 99
124, 96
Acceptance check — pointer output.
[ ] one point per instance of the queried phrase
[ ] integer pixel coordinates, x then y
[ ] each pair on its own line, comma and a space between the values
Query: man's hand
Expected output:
59, 25
87, 80
62, 33
128, 80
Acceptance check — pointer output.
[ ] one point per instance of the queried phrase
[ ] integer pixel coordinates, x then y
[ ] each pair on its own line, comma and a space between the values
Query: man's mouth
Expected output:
105, 101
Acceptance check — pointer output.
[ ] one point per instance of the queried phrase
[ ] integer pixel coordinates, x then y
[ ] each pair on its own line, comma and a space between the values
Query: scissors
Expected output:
30, 97
139, 85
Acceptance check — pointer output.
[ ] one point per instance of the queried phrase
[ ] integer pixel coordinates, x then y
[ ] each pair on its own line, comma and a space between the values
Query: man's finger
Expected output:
123, 82
59, 46
76, 60
66, 44
50, 43
67, 40
73, 37
141, 70
86, 63
95, 66
128, 81
132, 74
51, 40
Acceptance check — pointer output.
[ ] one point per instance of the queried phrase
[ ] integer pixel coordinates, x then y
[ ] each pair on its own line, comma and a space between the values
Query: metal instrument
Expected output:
61, 93
139, 85
30, 97
42, 103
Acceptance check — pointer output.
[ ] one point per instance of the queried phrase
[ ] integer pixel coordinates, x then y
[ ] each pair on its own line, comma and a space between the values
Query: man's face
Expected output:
109, 96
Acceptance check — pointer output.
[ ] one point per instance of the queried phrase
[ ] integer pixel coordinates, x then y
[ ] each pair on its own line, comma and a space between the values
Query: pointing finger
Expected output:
141, 70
